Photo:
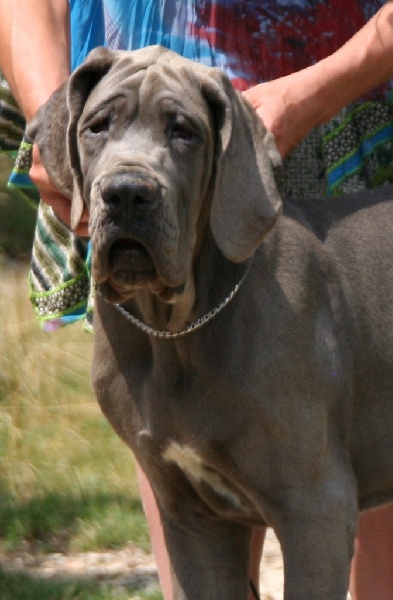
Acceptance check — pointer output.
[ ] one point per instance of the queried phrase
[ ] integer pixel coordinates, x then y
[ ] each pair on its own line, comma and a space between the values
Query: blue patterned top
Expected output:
251, 41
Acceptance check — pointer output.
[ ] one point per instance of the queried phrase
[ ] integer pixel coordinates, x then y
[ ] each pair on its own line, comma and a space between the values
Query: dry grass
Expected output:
67, 482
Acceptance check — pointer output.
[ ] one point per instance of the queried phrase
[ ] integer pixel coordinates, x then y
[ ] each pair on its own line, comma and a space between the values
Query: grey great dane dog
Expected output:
243, 350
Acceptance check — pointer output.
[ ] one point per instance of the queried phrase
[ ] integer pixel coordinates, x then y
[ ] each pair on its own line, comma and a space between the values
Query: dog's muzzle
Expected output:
135, 250
130, 198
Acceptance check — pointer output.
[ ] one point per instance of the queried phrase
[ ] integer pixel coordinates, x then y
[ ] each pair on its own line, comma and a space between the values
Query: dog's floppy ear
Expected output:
54, 127
245, 202
48, 130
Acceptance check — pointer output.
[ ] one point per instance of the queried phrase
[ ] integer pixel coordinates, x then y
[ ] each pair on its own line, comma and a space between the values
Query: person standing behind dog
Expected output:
294, 63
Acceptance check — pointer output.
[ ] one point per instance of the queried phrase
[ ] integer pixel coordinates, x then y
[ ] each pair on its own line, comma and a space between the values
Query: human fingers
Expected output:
49, 194
267, 100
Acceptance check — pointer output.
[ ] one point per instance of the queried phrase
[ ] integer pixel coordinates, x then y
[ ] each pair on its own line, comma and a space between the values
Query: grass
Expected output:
17, 218
15, 587
67, 483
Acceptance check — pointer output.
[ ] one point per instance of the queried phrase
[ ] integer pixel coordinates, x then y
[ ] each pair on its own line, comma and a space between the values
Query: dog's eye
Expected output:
99, 127
181, 132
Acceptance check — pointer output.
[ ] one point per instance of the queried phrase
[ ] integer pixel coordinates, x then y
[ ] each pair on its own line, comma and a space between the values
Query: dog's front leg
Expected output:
316, 532
209, 559
316, 568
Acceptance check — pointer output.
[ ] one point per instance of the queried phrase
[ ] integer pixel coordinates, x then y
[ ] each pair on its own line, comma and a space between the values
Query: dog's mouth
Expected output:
130, 262
131, 267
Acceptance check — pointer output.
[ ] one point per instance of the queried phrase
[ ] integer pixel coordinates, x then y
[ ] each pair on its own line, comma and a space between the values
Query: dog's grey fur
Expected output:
279, 411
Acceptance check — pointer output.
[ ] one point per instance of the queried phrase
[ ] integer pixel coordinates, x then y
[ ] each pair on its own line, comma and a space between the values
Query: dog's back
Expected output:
325, 214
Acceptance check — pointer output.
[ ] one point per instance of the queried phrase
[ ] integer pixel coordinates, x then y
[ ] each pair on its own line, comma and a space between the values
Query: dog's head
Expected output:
158, 148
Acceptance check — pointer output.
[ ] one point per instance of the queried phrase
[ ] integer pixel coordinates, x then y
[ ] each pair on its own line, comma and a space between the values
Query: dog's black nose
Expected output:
128, 191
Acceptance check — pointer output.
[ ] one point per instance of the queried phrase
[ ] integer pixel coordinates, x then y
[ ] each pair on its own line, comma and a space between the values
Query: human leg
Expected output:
372, 567
156, 534
257, 541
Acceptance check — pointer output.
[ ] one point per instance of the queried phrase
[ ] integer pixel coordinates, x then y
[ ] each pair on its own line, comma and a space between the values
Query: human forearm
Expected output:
35, 59
363, 63
293, 105
34, 49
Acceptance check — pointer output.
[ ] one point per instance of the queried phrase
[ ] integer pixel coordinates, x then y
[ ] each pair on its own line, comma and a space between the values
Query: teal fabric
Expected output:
87, 29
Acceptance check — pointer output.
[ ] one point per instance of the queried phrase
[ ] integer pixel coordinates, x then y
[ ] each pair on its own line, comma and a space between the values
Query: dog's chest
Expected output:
184, 426
186, 471
194, 447
201, 475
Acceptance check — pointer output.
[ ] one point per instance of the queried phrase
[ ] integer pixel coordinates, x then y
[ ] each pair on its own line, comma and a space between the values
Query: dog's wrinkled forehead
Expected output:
141, 83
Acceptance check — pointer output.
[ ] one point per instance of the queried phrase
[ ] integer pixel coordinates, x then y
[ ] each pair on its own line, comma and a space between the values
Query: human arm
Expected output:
35, 59
293, 105
34, 49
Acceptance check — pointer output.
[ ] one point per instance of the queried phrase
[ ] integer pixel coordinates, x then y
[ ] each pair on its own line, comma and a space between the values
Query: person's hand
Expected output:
269, 104
290, 106
51, 195
281, 104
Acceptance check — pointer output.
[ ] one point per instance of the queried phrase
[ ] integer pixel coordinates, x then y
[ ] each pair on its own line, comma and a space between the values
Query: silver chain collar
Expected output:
166, 335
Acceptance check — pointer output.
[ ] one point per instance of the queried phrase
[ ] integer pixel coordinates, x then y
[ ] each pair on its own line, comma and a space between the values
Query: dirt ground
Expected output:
131, 568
